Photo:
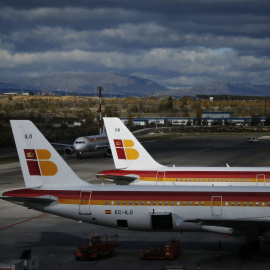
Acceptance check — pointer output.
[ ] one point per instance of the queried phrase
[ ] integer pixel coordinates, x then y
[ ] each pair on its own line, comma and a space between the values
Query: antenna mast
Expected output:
100, 88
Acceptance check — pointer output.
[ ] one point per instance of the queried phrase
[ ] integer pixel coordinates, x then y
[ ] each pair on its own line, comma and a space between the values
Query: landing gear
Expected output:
79, 155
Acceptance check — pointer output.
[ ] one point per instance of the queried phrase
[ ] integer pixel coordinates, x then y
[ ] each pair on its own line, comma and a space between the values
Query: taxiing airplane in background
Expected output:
52, 187
92, 143
134, 165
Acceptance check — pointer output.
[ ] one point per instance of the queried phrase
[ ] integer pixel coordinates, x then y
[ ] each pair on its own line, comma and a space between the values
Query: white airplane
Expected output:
134, 165
92, 143
52, 187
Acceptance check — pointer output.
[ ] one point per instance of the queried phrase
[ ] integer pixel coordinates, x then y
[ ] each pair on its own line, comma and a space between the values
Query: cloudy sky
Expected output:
172, 42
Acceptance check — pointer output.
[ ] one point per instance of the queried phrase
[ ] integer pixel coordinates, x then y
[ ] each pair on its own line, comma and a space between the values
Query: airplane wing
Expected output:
62, 144
234, 226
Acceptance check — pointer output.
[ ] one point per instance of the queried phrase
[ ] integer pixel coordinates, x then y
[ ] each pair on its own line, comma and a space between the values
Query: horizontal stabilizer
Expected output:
43, 199
123, 179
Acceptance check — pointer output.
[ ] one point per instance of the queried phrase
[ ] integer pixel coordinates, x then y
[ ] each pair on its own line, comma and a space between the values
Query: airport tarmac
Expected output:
54, 239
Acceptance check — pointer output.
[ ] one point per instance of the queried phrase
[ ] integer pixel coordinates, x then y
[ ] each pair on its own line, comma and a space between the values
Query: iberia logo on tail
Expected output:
125, 150
38, 162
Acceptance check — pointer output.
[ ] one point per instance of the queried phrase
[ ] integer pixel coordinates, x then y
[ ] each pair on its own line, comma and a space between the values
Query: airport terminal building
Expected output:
207, 119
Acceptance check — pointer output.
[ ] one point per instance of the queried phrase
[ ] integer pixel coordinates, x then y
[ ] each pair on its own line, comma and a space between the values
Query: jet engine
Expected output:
108, 152
68, 151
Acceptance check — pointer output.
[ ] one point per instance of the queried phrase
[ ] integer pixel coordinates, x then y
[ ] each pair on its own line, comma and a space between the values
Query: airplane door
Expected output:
260, 180
160, 177
84, 202
216, 207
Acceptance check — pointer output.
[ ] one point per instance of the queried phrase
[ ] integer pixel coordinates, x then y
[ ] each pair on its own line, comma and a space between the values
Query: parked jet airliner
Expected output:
134, 165
52, 187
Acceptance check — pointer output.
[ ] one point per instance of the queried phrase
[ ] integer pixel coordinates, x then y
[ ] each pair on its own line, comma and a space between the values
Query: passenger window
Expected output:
124, 203
196, 203
245, 204
112, 202
257, 204
148, 203
184, 203
232, 203
239, 204
154, 203
118, 202
136, 203
190, 203
160, 203
142, 203
130, 202
250, 203
178, 203
106, 202
226, 203
172, 203
202, 203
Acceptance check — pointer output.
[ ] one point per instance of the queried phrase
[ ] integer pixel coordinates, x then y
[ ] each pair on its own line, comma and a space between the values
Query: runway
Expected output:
55, 239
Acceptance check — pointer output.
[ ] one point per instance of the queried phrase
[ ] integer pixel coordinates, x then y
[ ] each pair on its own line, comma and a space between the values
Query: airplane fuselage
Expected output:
156, 208
89, 143
217, 176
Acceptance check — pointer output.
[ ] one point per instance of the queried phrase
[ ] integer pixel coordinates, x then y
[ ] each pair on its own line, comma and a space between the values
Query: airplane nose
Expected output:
79, 145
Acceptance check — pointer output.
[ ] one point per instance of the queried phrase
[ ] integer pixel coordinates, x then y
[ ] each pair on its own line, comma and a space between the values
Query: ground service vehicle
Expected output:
253, 140
171, 251
97, 247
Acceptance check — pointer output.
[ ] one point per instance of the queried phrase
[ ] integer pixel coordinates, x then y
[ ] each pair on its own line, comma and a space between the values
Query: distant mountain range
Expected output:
72, 83
221, 88
123, 85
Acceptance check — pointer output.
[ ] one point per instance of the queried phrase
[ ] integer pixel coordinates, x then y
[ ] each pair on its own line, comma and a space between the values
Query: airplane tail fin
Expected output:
41, 165
126, 150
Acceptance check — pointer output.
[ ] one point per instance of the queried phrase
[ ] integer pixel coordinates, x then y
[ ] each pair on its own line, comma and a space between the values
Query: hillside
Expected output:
221, 88
123, 85
114, 84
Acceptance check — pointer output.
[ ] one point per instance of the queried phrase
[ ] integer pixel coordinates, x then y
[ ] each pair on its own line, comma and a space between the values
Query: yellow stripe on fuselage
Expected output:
163, 203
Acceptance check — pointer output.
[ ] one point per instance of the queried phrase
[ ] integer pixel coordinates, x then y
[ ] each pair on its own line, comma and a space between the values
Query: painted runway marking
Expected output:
17, 223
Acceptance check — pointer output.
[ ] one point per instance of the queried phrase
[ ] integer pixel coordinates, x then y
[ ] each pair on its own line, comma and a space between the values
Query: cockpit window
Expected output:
79, 142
